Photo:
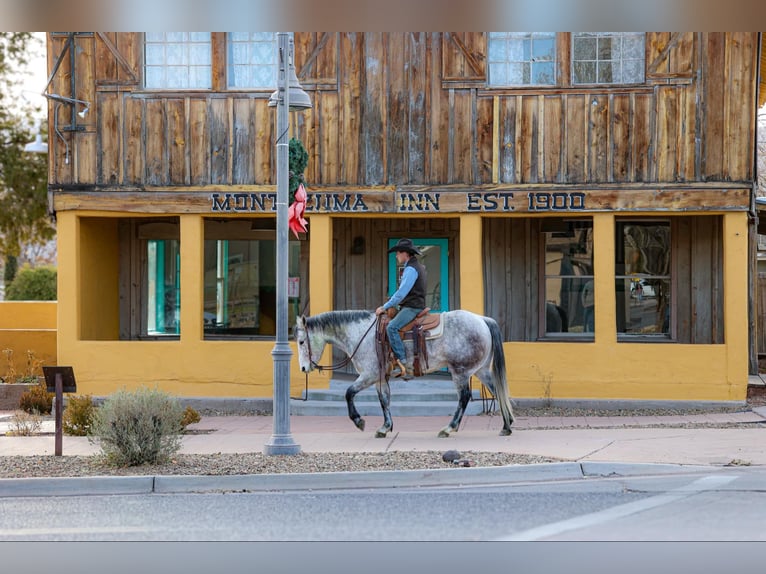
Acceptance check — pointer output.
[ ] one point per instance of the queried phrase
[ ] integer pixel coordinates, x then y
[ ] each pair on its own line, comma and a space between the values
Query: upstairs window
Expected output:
178, 60
563, 59
252, 60
522, 58
607, 58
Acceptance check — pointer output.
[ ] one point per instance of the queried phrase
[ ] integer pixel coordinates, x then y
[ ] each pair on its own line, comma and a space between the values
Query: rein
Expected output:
345, 361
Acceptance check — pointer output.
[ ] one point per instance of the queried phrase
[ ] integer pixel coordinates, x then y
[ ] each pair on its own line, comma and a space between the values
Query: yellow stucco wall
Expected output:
27, 326
191, 366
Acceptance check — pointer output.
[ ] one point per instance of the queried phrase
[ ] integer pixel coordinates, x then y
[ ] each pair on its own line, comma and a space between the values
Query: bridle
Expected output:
342, 363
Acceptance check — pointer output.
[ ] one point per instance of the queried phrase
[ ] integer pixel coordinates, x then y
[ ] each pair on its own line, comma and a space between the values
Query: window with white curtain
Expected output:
178, 60
252, 60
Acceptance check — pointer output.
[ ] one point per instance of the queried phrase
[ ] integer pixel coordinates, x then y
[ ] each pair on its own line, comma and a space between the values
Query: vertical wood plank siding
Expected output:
414, 108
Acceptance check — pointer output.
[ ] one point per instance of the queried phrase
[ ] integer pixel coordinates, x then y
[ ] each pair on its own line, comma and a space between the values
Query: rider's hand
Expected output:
380, 311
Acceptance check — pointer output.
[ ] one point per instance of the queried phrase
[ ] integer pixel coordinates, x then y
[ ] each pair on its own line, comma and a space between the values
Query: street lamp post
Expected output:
288, 96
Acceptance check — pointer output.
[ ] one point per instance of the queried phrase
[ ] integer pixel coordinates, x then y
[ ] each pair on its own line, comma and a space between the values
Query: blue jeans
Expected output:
404, 316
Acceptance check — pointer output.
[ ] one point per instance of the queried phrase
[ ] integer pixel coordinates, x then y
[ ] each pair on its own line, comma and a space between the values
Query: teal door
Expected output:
436, 262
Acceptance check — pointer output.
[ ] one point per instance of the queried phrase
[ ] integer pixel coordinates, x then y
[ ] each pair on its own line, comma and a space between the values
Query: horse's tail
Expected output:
498, 370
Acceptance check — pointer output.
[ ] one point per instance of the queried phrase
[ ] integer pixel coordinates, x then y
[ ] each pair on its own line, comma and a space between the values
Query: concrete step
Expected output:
337, 395
433, 395
370, 408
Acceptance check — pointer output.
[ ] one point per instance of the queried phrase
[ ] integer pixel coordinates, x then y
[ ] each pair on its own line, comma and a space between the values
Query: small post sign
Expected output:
59, 380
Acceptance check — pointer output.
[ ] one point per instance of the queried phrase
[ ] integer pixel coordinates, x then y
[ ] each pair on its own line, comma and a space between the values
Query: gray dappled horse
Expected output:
470, 345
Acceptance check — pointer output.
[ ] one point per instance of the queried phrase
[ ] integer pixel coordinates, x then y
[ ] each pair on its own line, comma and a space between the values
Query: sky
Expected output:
34, 76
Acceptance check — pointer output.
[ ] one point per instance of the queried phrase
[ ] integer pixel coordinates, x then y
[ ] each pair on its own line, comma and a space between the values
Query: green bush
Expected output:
33, 284
138, 427
78, 415
37, 400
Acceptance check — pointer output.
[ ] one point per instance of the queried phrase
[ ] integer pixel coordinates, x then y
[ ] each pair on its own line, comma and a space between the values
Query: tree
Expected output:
23, 176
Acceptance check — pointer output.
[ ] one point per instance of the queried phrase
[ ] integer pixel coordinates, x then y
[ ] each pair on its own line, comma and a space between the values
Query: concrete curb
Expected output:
116, 485
76, 486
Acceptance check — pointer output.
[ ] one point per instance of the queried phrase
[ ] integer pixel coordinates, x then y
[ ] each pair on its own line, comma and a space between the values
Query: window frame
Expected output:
214, 57
547, 225
249, 229
564, 64
219, 52
134, 236
672, 335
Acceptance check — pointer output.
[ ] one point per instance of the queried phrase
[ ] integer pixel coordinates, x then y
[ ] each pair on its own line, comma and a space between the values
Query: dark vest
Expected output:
417, 296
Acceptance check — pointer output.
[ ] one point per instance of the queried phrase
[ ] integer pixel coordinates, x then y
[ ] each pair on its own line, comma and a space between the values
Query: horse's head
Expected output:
310, 347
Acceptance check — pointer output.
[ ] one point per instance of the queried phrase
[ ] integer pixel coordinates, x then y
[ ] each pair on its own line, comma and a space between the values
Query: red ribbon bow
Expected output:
296, 210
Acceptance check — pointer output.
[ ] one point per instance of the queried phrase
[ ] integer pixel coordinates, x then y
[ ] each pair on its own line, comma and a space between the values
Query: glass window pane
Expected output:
643, 277
543, 73
174, 60
584, 48
601, 58
544, 49
163, 287
252, 60
632, 71
498, 75
497, 50
569, 296
584, 72
240, 281
514, 58
606, 73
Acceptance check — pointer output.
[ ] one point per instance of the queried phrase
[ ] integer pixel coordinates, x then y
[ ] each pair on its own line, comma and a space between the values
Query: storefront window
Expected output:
643, 278
240, 279
569, 303
163, 284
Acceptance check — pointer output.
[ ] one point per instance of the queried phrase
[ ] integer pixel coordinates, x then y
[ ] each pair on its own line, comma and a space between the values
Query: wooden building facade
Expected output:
593, 193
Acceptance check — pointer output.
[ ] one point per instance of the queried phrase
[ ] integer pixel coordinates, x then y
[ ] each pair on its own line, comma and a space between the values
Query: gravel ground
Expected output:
257, 463
253, 463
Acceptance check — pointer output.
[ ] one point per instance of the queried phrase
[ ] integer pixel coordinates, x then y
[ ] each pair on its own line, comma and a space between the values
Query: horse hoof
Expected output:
359, 424
381, 433
443, 434
505, 432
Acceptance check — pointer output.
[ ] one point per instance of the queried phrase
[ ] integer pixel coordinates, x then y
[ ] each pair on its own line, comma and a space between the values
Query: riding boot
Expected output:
401, 371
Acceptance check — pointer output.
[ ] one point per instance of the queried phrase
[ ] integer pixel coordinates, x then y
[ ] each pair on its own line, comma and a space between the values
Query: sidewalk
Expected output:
623, 439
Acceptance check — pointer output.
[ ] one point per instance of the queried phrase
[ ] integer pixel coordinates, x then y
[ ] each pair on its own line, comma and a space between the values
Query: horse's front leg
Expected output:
384, 396
361, 383
464, 395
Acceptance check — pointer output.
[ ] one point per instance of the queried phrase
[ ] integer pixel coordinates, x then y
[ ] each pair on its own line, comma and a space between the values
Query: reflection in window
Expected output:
607, 58
643, 278
240, 279
163, 287
522, 58
568, 296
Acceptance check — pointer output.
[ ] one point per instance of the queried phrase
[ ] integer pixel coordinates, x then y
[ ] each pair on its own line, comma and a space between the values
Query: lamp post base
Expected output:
281, 444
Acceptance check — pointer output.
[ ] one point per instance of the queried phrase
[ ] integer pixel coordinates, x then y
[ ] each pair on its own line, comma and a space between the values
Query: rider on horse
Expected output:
411, 298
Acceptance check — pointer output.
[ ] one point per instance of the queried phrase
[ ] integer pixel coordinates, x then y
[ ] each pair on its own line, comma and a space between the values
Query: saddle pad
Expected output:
431, 325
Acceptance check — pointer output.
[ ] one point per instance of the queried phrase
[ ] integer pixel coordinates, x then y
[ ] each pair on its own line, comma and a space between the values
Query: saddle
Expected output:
424, 326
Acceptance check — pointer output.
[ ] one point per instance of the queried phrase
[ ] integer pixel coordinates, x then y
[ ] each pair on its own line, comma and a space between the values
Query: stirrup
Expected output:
400, 371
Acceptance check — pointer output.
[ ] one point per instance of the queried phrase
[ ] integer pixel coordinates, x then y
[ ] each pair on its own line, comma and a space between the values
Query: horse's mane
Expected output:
334, 319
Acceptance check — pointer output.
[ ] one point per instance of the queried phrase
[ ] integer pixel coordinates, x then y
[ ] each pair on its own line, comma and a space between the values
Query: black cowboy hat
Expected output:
407, 246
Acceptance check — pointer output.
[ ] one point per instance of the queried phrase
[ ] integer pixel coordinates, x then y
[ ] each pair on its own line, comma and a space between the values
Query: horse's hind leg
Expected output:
464, 395
485, 376
384, 395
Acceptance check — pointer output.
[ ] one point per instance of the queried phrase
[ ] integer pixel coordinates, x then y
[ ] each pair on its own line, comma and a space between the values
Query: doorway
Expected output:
436, 261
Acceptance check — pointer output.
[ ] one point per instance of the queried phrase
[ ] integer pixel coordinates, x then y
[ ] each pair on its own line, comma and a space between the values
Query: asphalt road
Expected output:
714, 505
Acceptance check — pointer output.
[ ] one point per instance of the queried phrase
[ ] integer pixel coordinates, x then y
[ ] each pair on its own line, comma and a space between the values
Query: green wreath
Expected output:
299, 159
